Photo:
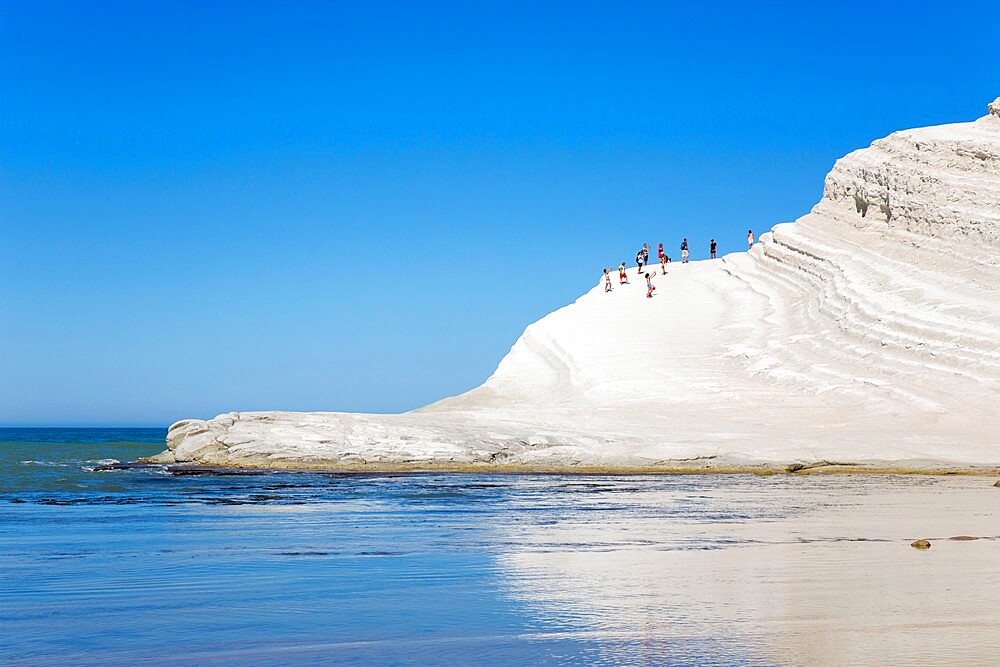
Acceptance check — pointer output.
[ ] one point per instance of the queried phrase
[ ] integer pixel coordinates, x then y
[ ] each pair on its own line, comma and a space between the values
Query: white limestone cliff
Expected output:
867, 332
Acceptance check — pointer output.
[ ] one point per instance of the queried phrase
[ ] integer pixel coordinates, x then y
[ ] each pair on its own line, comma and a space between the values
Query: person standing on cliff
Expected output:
711, 248
622, 275
663, 260
749, 239
607, 280
684, 251
639, 260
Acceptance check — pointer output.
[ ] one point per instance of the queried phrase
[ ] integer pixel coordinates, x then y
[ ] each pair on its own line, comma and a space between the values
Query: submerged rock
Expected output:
921, 544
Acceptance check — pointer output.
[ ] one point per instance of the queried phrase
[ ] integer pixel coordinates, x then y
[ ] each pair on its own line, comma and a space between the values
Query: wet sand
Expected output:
806, 571
701, 466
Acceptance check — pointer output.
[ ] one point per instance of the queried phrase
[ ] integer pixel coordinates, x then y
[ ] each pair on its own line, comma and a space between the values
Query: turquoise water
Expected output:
140, 565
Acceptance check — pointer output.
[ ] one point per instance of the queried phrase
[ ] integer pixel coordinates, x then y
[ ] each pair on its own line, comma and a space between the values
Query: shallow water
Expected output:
140, 565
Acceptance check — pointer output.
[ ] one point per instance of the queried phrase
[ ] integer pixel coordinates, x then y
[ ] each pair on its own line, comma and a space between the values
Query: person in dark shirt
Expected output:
711, 248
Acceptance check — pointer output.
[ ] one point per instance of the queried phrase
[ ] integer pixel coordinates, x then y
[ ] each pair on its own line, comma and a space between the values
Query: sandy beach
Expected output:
833, 582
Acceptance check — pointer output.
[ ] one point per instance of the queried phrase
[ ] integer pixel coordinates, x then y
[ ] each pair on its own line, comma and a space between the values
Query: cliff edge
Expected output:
866, 332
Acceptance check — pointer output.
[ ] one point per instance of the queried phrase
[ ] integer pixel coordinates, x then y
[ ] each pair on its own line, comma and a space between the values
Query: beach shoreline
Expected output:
694, 468
875, 567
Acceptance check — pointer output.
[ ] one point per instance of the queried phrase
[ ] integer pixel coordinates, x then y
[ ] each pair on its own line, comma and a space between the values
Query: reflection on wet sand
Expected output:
779, 570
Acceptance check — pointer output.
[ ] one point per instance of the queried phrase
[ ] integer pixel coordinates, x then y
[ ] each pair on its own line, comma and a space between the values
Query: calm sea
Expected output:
143, 566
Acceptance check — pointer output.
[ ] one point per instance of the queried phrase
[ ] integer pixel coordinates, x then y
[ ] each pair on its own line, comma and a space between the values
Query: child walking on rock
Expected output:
649, 287
607, 280
622, 275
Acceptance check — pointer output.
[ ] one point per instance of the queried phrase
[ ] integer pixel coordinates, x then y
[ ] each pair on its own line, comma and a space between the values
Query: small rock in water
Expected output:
996, 483
963, 538
921, 544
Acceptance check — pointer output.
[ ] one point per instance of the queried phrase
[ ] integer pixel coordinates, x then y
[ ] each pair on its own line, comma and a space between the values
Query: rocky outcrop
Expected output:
866, 331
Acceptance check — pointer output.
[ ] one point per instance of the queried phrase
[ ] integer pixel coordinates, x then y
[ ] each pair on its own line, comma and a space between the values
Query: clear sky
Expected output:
359, 206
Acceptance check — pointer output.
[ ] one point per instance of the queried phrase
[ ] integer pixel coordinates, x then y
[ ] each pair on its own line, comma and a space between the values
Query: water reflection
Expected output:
138, 566
786, 570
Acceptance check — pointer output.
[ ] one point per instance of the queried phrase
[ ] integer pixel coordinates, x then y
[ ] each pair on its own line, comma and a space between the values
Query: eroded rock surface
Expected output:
867, 331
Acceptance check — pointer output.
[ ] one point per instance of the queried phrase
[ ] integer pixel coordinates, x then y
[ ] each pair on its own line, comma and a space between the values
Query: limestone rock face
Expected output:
929, 182
866, 331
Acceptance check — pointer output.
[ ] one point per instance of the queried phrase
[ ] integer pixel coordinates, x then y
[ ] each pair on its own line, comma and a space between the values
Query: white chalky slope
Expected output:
867, 331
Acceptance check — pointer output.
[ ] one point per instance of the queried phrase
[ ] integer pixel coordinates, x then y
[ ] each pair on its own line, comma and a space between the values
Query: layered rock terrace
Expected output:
865, 332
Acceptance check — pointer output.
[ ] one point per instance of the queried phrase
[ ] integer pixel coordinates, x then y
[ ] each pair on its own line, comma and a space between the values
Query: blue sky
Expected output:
359, 206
